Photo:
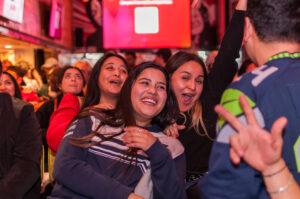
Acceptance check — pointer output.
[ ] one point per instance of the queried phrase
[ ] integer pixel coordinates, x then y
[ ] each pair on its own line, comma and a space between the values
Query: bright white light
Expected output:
7, 46
146, 20
146, 2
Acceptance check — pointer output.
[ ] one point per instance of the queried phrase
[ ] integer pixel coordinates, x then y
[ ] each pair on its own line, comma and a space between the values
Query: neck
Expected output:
267, 50
108, 100
145, 123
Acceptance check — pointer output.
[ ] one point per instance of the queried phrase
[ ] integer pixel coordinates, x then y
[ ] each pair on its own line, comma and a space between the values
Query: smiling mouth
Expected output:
115, 82
187, 98
149, 101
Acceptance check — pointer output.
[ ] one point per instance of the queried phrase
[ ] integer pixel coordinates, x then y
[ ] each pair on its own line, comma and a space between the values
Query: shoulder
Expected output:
173, 145
21, 106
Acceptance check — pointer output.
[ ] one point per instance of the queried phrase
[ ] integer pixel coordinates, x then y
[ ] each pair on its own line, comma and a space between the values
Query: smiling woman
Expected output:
123, 153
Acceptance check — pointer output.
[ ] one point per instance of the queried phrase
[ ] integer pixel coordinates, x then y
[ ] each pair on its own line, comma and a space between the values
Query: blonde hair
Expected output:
197, 119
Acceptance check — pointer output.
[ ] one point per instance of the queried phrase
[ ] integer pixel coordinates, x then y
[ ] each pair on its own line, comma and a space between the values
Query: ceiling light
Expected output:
7, 46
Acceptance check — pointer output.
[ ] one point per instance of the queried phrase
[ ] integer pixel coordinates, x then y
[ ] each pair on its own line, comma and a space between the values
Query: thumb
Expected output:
180, 127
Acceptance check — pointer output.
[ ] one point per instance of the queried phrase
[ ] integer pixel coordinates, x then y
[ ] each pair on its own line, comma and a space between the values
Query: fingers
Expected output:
278, 127
231, 119
235, 158
180, 127
138, 137
171, 130
236, 150
277, 130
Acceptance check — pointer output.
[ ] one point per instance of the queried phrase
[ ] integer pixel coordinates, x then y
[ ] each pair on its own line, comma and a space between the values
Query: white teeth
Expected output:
149, 101
115, 82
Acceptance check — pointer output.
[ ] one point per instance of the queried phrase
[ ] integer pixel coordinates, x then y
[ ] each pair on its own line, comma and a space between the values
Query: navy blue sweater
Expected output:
95, 172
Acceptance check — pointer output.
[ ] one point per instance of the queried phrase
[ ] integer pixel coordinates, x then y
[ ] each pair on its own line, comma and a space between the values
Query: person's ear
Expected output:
248, 30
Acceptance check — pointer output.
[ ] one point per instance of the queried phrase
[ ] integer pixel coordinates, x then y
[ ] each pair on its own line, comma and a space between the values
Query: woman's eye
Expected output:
162, 87
67, 76
78, 76
124, 71
145, 83
199, 81
109, 68
185, 78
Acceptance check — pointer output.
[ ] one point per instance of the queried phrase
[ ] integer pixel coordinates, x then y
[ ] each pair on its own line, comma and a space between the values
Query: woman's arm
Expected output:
225, 67
67, 110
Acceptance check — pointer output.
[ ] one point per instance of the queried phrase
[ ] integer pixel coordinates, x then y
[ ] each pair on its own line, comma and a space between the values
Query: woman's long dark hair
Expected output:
17, 88
93, 93
124, 112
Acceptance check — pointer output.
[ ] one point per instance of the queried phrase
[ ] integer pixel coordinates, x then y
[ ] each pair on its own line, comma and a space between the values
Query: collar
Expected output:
284, 55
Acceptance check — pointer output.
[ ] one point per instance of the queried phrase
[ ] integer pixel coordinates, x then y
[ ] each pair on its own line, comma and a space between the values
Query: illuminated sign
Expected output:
146, 24
13, 10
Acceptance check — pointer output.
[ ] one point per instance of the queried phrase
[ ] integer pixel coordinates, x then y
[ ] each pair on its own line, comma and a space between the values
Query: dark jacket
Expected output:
20, 149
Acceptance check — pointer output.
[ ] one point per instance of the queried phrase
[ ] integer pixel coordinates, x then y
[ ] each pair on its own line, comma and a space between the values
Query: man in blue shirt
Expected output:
272, 41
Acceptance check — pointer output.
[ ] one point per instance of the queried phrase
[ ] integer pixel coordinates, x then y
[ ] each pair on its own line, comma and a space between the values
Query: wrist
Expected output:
274, 168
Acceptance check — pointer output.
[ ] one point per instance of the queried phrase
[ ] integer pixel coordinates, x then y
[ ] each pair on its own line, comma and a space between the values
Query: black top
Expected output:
20, 150
198, 148
44, 114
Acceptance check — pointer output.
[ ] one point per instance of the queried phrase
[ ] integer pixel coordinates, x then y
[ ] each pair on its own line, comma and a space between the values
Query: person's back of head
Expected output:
275, 21
164, 54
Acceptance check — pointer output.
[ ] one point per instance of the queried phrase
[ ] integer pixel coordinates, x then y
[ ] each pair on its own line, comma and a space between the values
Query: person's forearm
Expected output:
280, 182
241, 5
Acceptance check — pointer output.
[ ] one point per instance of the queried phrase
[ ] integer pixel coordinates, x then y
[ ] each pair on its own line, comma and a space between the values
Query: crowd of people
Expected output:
152, 130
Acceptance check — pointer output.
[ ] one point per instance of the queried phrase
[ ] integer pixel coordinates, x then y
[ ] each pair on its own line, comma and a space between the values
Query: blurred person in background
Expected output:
162, 56
70, 80
9, 85
5, 64
86, 69
27, 94
130, 58
47, 68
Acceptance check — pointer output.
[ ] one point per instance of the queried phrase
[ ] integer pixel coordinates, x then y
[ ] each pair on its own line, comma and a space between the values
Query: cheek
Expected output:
177, 85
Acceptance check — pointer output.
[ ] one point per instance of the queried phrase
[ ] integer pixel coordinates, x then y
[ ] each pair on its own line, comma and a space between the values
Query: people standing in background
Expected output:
197, 93
162, 56
20, 149
272, 41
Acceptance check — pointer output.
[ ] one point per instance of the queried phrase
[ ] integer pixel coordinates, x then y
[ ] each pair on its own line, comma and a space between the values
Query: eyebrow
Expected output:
190, 73
144, 78
114, 63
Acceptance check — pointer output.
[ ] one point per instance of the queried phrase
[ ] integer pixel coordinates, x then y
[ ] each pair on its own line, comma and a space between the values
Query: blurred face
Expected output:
84, 68
148, 95
112, 76
187, 84
7, 85
72, 82
130, 60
